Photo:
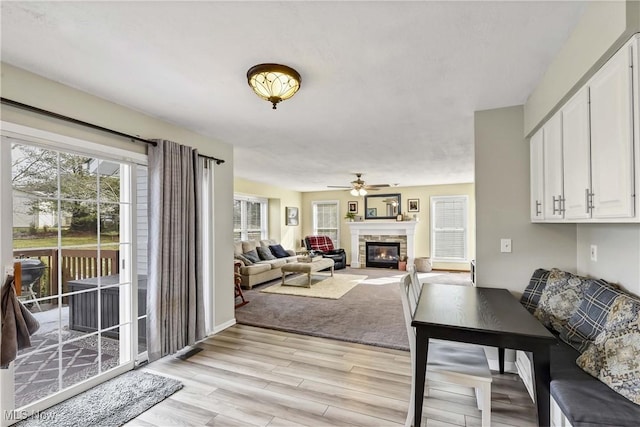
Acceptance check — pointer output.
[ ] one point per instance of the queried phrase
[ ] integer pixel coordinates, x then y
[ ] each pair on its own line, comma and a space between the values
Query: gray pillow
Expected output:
265, 254
252, 256
244, 259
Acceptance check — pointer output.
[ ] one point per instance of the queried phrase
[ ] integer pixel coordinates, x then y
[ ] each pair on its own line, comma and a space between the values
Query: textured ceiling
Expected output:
389, 88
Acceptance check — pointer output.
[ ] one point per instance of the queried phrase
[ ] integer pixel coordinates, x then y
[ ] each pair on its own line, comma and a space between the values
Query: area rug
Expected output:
331, 287
112, 403
370, 313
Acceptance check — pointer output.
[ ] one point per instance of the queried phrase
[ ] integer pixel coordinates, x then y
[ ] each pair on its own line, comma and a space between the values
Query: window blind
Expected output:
449, 228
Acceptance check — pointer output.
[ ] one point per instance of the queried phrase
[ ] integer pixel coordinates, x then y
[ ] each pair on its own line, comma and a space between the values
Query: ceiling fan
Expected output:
358, 187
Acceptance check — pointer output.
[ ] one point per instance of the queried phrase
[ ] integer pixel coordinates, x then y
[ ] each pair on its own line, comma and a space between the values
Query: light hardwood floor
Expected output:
248, 376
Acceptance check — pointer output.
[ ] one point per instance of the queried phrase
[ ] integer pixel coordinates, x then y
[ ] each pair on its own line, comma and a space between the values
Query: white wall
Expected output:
31, 89
618, 253
502, 207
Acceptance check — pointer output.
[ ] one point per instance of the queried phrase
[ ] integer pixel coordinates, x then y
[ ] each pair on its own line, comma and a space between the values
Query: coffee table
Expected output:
306, 267
485, 316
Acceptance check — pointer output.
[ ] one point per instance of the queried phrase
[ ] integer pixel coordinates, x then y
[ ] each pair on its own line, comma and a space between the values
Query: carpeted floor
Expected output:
370, 313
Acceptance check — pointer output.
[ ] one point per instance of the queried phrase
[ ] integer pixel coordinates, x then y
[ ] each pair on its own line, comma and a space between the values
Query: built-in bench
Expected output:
588, 316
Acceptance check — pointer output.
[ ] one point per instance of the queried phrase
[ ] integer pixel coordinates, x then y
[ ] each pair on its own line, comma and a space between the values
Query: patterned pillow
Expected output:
613, 356
560, 299
531, 295
586, 323
252, 256
264, 253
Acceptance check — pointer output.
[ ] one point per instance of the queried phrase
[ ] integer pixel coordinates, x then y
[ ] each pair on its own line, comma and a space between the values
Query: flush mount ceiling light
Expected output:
273, 82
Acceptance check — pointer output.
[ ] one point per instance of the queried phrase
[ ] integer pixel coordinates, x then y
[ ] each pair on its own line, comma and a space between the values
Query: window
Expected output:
326, 221
449, 228
249, 218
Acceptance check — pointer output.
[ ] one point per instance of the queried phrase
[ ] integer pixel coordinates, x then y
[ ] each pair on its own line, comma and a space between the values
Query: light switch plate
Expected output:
505, 245
594, 253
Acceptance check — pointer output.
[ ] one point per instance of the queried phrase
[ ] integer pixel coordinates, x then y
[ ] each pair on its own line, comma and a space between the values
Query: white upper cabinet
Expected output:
590, 149
537, 176
553, 180
612, 171
576, 156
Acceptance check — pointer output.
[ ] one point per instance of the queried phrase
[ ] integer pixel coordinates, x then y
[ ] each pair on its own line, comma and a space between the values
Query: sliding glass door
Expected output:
79, 239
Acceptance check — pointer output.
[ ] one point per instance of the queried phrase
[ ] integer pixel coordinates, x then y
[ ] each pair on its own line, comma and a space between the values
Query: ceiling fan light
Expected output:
273, 82
362, 192
354, 192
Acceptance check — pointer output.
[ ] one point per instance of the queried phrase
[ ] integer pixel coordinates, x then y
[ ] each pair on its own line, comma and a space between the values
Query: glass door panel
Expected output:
72, 234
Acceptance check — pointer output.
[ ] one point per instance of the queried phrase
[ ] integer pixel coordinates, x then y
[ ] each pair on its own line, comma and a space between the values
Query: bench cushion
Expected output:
584, 400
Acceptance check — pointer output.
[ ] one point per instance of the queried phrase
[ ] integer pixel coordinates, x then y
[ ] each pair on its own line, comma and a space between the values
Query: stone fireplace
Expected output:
400, 232
382, 254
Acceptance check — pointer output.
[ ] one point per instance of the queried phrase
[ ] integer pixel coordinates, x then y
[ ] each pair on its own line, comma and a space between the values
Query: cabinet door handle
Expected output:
554, 200
538, 208
561, 205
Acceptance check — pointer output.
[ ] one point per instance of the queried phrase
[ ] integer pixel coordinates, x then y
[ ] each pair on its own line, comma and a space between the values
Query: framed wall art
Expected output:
352, 207
414, 205
292, 216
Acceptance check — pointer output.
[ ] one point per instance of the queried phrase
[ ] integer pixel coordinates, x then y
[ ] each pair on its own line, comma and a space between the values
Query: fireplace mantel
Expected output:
381, 228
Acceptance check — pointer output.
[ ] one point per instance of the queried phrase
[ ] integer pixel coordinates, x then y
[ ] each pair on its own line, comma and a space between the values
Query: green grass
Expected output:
107, 242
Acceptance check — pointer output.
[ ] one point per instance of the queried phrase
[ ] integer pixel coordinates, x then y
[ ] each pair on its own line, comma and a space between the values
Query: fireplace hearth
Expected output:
382, 254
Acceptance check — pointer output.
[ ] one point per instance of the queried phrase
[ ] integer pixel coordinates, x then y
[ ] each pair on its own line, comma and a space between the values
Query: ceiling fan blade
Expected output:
338, 186
378, 185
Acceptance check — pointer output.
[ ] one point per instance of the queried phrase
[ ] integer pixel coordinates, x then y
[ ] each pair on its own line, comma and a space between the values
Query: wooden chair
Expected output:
450, 362
238, 281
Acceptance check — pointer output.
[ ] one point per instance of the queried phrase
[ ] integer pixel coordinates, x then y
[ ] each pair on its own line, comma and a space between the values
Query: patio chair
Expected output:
324, 246
449, 362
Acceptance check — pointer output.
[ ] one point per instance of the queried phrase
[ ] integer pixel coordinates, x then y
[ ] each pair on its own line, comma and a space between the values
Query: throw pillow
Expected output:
531, 295
613, 356
560, 298
265, 254
252, 256
278, 251
589, 320
244, 259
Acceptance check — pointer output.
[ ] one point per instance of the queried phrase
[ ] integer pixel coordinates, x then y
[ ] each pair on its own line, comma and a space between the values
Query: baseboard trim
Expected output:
223, 326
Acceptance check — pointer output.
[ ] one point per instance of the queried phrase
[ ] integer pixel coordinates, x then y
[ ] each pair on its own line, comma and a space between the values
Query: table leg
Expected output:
542, 379
422, 347
283, 274
501, 359
309, 279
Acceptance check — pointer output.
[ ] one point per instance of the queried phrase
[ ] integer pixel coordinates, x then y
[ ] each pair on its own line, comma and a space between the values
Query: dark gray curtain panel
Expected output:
175, 303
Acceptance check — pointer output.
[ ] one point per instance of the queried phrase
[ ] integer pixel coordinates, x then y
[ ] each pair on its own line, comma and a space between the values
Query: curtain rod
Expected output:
86, 124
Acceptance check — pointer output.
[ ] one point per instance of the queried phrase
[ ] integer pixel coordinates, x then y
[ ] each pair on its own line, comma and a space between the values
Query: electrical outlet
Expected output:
505, 245
594, 253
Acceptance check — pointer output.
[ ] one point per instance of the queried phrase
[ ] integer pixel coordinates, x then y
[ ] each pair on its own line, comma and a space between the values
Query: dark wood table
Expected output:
486, 316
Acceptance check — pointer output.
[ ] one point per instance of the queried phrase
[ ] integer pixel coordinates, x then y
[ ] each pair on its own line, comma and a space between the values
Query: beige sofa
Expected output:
261, 271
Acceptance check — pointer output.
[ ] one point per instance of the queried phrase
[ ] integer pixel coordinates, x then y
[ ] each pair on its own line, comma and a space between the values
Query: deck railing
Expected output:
76, 264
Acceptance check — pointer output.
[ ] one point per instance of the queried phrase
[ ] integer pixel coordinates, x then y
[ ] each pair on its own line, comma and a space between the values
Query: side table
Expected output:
238, 281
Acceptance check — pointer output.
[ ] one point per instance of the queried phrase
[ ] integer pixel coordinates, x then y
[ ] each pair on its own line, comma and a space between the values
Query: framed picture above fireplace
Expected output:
413, 205
352, 207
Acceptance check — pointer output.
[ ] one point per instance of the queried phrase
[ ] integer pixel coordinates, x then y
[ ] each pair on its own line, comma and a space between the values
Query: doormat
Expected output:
112, 403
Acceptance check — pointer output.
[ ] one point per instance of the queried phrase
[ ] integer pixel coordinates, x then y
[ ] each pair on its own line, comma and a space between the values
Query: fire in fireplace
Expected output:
382, 254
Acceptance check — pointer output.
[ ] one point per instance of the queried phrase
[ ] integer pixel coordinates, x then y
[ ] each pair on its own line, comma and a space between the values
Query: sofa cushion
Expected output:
278, 251
532, 293
274, 263
560, 298
265, 253
613, 356
252, 255
589, 320
246, 261
254, 269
